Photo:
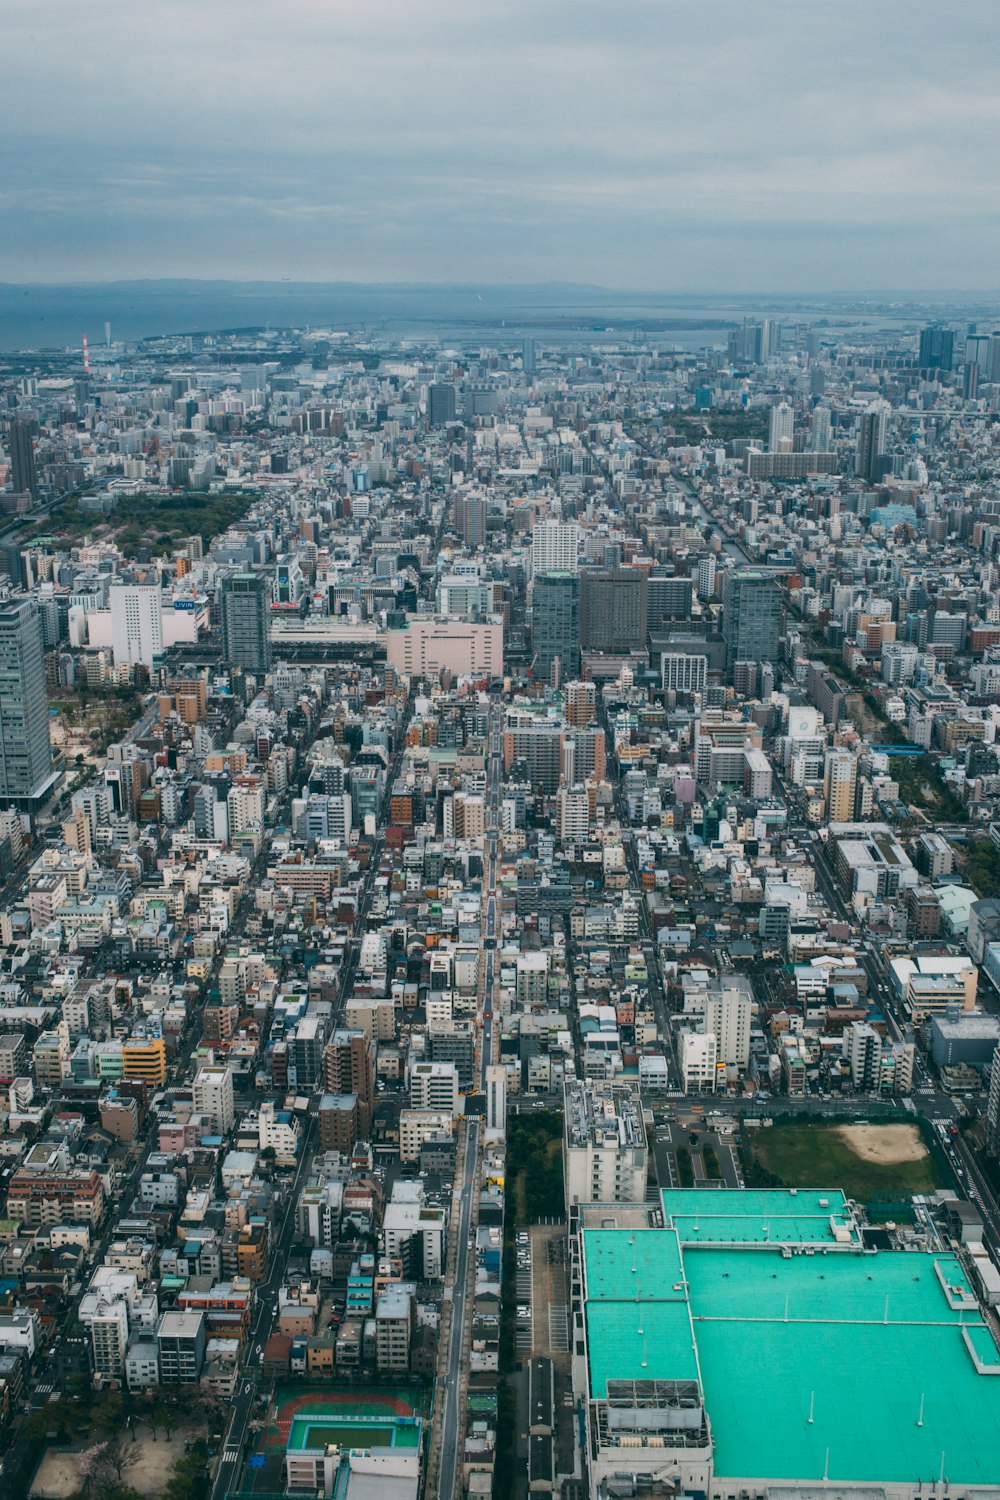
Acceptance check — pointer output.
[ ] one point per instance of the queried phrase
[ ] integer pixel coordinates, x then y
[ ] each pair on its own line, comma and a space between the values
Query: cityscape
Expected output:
501, 884
500, 751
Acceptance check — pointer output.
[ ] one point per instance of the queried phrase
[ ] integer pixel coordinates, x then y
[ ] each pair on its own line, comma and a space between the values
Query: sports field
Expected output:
864, 1160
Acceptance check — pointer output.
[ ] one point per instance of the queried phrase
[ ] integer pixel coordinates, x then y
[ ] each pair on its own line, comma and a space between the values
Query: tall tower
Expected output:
871, 463
782, 432
752, 617
136, 623
555, 626
22, 456
246, 620
821, 429
441, 404
25, 753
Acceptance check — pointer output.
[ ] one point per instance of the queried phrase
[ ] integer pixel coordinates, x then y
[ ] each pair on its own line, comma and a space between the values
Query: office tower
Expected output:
528, 357
25, 753
668, 599
604, 1144
441, 404
937, 348
820, 441
24, 473
496, 1099
871, 463
782, 431
752, 617
707, 568
970, 382
993, 360
554, 547
555, 626
613, 605
977, 351
246, 621
993, 1107
136, 623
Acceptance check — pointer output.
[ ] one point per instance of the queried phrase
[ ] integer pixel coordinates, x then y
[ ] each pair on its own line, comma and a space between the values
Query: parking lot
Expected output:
714, 1153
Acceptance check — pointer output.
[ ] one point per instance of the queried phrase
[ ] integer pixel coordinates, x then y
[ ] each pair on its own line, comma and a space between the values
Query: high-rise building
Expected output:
349, 1068
246, 621
441, 404
707, 568
752, 617
555, 626
554, 547
821, 429
24, 471
528, 357
728, 1013
937, 348
613, 605
782, 430
604, 1144
668, 598
871, 463
136, 623
25, 752
470, 515
841, 785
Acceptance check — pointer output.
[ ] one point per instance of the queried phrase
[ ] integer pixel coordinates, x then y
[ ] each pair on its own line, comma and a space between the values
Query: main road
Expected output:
451, 1427
228, 1471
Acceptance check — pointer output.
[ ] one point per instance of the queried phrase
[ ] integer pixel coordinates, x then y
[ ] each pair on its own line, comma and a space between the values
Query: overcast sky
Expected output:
701, 145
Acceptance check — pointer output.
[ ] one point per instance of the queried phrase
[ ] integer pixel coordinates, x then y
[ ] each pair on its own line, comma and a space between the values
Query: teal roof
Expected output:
886, 1350
623, 1264
762, 1216
639, 1341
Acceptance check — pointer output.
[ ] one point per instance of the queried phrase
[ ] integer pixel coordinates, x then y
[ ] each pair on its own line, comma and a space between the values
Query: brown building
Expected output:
339, 1122
349, 1068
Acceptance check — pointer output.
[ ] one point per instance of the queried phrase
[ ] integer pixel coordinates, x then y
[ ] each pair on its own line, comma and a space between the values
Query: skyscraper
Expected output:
25, 753
871, 463
555, 626
782, 431
937, 348
613, 605
24, 472
441, 404
752, 617
246, 620
821, 429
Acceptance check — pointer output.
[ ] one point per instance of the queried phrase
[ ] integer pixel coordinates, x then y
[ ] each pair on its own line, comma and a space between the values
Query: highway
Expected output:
451, 1429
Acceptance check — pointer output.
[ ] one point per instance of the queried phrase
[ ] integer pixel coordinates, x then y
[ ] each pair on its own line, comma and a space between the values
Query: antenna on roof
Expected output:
812, 1406
826, 1467
941, 1475
920, 1419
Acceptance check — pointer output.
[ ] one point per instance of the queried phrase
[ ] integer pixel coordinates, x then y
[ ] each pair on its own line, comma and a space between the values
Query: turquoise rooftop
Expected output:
856, 1366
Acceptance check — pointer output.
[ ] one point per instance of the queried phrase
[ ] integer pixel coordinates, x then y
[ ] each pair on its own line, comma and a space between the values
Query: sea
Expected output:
50, 317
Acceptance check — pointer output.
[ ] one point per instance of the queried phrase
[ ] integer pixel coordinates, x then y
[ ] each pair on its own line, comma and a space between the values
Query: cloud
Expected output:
655, 143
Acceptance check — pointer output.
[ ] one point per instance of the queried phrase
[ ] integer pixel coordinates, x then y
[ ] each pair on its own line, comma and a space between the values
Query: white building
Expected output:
434, 1086
136, 623
279, 1131
697, 1055
604, 1144
728, 1013
573, 811
213, 1096
554, 547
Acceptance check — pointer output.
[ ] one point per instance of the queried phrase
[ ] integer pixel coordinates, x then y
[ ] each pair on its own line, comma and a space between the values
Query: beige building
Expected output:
428, 645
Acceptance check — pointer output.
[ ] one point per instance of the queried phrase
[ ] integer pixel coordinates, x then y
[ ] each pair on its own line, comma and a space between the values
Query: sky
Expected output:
658, 145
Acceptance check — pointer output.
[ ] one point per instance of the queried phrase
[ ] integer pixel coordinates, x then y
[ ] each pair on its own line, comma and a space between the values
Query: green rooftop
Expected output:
831, 1361
762, 1216
639, 1341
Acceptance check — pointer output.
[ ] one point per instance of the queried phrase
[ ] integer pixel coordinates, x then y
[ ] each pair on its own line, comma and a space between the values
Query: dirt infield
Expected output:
886, 1145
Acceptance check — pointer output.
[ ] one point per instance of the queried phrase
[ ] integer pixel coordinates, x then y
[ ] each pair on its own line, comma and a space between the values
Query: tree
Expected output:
109, 1415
